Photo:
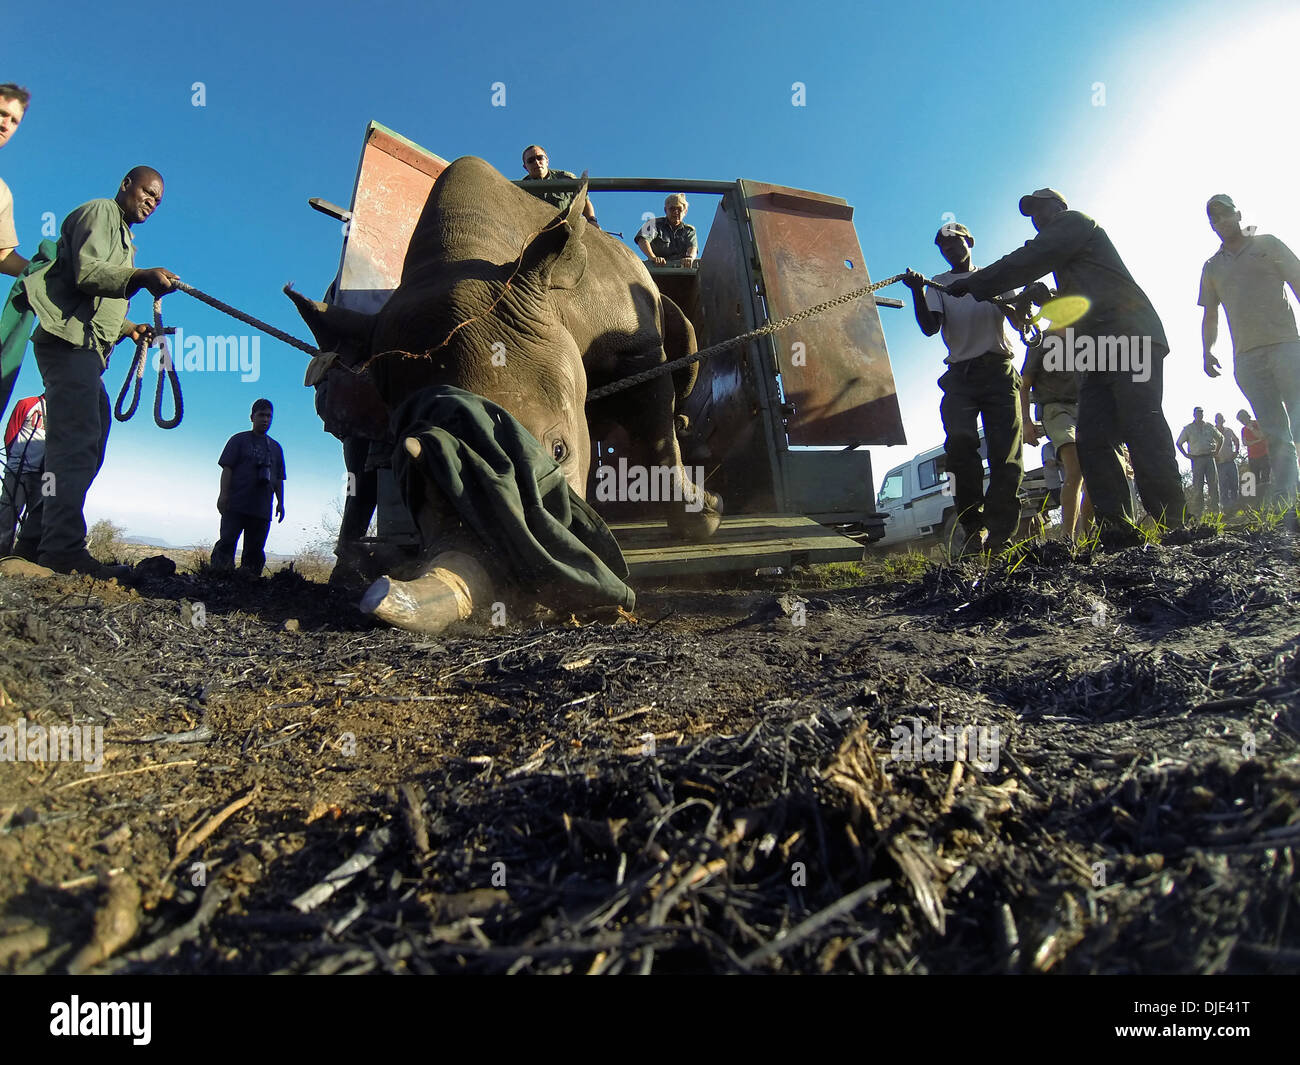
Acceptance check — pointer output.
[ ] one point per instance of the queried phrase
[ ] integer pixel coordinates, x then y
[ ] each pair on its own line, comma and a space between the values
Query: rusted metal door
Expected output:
834, 367
393, 183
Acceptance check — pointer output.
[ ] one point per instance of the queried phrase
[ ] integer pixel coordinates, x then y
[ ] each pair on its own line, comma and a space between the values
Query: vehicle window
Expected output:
892, 488
928, 474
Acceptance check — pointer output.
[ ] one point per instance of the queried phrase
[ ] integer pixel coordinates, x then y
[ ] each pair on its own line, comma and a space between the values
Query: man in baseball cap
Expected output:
979, 385
1031, 201
1248, 275
1115, 406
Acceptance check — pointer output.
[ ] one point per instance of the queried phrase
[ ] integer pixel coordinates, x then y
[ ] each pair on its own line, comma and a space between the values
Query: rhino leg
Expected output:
646, 413
453, 589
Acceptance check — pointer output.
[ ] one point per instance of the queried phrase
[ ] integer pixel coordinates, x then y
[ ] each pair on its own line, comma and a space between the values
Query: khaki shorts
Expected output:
1059, 422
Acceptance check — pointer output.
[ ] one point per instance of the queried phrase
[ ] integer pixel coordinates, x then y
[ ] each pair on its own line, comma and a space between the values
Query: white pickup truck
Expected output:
917, 501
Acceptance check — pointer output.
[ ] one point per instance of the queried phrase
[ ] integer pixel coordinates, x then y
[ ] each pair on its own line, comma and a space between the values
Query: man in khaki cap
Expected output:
980, 384
1249, 275
1116, 406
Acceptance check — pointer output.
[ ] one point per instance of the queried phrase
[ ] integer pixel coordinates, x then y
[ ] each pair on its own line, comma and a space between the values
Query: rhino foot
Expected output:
452, 589
699, 523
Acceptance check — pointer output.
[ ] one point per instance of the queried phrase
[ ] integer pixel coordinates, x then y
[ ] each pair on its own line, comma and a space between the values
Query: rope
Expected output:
166, 369
744, 338
771, 327
247, 319
598, 393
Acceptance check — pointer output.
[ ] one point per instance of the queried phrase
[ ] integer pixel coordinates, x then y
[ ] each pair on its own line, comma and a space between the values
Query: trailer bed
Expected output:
743, 542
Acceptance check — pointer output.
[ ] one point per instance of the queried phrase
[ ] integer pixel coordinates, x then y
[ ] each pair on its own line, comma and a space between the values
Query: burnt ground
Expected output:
710, 786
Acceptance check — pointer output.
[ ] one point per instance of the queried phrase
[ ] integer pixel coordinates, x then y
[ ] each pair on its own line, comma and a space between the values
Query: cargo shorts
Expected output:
1060, 421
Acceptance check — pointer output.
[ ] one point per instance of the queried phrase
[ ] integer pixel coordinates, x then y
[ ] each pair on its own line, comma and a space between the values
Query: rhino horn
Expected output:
335, 328
453, 588
557, 254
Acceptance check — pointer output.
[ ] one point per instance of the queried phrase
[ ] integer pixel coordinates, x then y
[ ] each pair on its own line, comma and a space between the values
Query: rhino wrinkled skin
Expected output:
502, 296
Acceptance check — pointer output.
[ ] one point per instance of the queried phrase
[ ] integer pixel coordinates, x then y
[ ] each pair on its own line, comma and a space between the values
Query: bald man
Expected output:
81, 299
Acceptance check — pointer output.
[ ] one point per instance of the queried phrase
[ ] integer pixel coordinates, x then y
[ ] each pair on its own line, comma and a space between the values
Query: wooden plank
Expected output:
745, 541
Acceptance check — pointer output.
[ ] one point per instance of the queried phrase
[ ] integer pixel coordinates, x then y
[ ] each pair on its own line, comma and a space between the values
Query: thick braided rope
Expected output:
744, 338
606, 390
247, 319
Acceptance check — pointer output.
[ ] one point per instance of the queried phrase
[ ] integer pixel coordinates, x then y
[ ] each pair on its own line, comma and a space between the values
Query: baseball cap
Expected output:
955, 229
1220, 199
1027, 202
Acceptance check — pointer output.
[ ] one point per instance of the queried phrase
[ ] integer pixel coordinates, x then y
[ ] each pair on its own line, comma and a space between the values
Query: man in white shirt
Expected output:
980, 384
13, 105
1249, 275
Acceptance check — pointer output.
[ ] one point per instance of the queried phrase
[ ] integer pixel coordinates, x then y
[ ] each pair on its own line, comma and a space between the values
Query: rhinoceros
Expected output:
502, 296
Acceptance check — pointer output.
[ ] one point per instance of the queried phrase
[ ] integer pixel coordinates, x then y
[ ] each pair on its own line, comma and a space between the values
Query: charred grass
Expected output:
724, 783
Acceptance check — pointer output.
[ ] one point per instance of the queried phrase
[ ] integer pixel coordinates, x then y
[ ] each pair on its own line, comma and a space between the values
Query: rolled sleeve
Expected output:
94, 238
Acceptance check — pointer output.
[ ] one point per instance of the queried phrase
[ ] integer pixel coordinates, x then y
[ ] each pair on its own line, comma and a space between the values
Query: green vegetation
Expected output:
104, 540
874, 568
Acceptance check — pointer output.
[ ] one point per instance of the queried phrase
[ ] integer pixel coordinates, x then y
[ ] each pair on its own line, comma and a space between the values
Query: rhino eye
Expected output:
558, 450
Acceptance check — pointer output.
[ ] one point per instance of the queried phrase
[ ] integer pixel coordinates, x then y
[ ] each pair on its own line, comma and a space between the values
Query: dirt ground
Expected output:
726, 781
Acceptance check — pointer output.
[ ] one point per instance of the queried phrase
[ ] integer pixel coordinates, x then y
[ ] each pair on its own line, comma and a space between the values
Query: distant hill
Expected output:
148, 541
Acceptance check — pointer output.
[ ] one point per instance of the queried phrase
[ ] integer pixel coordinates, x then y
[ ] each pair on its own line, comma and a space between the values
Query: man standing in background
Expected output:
1199, 443
1257, 465
24, 456
1249, 275
252, 471
1226, 461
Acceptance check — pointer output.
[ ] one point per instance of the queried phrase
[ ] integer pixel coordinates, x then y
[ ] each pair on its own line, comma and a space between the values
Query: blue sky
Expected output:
910, 114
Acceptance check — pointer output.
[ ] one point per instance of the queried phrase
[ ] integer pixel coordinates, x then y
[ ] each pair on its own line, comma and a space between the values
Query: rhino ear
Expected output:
557, 254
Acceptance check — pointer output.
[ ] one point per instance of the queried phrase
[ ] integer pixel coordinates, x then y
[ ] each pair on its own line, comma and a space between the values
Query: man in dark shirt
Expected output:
669, 237
1116, 405
252, 471
537, 165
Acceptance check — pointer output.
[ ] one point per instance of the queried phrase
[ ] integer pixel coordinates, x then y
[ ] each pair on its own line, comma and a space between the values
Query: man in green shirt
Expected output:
537, 165
1249, 275
1116, 405
80, 300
